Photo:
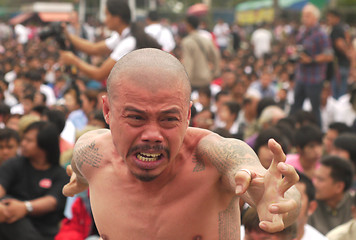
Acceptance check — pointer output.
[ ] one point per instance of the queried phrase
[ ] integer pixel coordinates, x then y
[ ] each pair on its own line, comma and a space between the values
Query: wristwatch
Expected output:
29, 207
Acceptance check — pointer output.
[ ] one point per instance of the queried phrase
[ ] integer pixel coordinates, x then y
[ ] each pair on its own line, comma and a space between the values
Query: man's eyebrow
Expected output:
168, 111
132, 109
172, 110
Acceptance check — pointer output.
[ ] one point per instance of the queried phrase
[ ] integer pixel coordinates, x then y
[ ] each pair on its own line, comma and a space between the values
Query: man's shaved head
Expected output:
137, 65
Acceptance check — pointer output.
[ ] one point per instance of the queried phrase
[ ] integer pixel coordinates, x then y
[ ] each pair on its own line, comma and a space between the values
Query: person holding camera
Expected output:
126, 37
314, 51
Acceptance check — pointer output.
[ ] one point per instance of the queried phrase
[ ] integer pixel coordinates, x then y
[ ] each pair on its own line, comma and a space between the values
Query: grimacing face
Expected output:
147, 126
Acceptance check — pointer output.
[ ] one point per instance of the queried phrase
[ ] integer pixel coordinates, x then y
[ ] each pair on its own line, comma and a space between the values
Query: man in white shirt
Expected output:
261, 40
162, 34
222, 33
118, 19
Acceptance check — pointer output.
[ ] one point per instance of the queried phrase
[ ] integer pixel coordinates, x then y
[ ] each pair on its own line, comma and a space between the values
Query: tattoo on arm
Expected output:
228, 221
88, 154
199, 164
227, 154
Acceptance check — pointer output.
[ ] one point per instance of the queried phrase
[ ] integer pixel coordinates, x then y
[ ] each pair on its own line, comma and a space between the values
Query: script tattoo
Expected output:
228, 221
227, 154
89, 154
199, 165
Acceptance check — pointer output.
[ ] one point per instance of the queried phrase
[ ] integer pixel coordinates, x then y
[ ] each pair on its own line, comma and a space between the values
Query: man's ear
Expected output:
190, 112
312, 207
106, 108
339, 187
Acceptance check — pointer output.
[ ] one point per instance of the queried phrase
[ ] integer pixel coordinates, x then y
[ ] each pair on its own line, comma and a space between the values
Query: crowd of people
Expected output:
293, 82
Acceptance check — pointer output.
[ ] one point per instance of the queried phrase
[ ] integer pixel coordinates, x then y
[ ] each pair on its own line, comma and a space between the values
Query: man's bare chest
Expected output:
181, 211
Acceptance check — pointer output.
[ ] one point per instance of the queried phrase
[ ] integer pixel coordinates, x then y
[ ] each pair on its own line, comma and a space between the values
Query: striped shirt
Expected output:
314, 41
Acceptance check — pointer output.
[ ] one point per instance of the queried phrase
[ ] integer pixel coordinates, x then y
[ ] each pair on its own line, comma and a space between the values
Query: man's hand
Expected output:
74, 186
15, 208
4, 213
275, 210
305, 58
67, 58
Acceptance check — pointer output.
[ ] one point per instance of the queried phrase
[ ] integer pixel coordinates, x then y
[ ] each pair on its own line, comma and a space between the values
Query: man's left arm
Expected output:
270, 191
19, 209
326, 54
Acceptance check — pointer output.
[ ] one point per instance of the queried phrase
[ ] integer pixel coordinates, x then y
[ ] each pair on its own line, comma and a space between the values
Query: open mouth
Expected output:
148, 157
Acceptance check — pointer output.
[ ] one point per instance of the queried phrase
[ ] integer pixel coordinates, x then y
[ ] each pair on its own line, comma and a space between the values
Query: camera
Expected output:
295, 52
55, 30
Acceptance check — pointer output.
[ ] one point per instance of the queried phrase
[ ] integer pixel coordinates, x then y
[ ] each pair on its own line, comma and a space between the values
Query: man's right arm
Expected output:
86, 156
78, 182
83, 45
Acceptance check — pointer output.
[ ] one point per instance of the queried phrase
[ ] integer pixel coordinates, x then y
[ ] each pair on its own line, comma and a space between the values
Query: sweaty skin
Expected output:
152, 177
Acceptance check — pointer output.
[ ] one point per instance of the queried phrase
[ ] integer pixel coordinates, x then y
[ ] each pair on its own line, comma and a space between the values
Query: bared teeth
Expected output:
148, 157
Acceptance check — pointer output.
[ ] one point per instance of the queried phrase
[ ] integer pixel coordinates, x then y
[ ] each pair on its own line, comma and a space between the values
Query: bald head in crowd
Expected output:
142, 67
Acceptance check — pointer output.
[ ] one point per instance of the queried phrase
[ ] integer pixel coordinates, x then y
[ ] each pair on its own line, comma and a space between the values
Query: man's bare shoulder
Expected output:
98, 134
194, 135
224, 153
92, 147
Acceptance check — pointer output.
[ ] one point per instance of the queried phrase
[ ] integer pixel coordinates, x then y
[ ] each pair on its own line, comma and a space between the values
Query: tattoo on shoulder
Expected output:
227, 154
228, 221
88, 154
199, 164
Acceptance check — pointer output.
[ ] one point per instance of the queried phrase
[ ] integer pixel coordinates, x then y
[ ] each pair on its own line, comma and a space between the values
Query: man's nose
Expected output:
152, 133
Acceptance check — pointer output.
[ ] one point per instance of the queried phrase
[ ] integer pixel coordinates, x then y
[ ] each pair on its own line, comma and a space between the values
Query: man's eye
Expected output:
135, 117
171, 119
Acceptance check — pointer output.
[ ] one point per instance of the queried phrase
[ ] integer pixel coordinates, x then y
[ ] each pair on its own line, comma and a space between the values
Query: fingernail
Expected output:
283, 166
238, 189
263, 225
274, 208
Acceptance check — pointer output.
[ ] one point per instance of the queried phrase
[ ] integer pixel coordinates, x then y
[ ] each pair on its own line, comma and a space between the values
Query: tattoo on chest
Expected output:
88, 154
228, 221
199, 165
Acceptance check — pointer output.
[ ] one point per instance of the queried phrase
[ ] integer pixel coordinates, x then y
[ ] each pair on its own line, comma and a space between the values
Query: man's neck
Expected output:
332, 203
121, 28
40, 163
250, 117
300, 232
311, 26
307, 165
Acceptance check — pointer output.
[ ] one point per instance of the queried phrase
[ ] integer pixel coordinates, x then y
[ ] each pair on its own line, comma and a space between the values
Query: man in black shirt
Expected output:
341, 66
31, 187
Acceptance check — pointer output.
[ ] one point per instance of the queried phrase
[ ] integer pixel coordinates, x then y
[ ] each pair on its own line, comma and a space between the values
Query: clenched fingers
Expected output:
290, 176
243, 178
283, 206
276, 225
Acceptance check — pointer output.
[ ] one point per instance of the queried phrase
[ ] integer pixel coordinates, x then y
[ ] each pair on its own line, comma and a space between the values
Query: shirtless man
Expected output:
153, 177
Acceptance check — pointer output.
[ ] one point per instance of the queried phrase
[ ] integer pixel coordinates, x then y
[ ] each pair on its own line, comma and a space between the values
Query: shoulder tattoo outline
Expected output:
88, 154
